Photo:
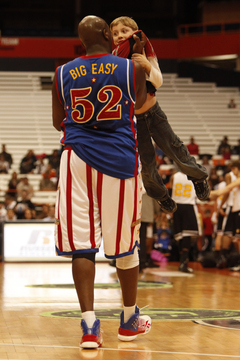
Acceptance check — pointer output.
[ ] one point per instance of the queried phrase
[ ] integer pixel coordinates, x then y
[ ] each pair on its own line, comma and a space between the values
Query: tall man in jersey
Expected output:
99, 192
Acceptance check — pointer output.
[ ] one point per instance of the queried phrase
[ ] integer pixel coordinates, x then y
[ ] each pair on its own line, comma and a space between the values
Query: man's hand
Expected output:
143, 61
139, 44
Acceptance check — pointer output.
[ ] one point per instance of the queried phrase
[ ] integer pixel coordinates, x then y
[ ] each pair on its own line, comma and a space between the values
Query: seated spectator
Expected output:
231, 104
27, 214
223, 146
7, 156
193, 148
23, 204
236, 148
41, 165
206, 164
44, 213
11, 216
4, 165
10, 202
48, 181
24, 185
49, 172
54, 160
3, 212
12, 185
226, 152
213, 178
28, 163
51, 214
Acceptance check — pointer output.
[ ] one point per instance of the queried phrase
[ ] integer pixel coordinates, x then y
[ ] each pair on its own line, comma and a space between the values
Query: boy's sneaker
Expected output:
168, 205
135, 326
202, 190
92, 337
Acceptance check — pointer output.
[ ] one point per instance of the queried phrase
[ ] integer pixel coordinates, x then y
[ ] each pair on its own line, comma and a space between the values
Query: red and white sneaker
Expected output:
135, 326
92, 337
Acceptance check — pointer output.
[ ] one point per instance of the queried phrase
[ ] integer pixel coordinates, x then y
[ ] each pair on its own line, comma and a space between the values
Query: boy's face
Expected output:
120, 33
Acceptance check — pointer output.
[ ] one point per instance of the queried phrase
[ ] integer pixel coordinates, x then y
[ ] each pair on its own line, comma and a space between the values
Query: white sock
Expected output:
89, 317
128, 311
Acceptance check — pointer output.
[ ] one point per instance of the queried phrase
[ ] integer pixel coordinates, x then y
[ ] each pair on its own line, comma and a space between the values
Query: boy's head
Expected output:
121, 28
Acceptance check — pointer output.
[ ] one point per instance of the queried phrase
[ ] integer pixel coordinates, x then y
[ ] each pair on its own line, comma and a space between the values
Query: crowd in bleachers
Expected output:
19, 192
19, 203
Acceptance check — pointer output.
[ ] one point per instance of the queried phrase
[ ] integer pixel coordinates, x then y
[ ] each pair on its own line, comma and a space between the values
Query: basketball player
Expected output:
99, 193
227, 224
235, 209
185, 220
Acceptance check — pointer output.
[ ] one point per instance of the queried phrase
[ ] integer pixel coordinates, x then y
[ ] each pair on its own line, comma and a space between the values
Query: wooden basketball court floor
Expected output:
40, 314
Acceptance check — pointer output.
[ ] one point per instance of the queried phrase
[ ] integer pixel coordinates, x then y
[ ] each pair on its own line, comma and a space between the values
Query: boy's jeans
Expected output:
154, 124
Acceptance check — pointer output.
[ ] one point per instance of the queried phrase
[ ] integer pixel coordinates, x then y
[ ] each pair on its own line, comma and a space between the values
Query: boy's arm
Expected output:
151, 68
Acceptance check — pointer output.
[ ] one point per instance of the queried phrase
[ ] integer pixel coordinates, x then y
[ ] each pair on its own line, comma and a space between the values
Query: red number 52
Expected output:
109, 94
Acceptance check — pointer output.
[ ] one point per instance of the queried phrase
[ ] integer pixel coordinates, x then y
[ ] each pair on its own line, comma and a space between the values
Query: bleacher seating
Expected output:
193, 109
200, 110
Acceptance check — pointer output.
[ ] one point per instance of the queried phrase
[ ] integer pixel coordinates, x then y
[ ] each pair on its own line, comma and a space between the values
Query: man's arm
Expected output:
58, 113
140, 83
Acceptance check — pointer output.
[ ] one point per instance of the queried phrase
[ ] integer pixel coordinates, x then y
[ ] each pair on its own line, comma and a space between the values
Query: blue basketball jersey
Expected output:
98, 95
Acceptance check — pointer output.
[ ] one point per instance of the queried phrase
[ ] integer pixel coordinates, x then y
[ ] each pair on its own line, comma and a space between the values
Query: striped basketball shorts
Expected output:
91, 206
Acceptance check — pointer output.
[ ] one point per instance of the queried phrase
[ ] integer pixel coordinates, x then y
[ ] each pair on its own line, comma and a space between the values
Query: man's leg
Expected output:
128, 280
131, 323
83, 270
83, 275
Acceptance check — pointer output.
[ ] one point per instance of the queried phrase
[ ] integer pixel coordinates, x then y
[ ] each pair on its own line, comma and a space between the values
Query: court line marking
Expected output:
130, 350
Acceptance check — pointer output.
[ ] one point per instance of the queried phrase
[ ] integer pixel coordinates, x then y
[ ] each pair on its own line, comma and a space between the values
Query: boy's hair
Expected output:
235, 163
125, 20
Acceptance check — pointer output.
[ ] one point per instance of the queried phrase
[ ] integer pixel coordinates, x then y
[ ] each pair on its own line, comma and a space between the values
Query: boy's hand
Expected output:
143, 61
139, 44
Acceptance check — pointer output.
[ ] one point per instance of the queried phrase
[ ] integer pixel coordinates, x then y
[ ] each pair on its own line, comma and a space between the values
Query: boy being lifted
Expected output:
152, 121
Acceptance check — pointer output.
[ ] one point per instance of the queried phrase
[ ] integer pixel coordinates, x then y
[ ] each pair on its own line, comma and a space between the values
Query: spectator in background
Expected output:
51, 214
54, 160
231, 104
193, 148
7, 156
41, 165
11, 216
206, 164
25, 185
224, 146
12, 185
213, 179
27, 214
236, 148
10, 202
44, 213
4, 165
28, 163
47, 182
3, 212
23, 204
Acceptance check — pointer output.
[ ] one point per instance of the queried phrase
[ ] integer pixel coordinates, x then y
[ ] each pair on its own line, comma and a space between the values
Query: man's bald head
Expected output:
95, 35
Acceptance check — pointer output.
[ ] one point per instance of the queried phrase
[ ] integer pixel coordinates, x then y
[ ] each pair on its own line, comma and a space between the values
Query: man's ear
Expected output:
106, 34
